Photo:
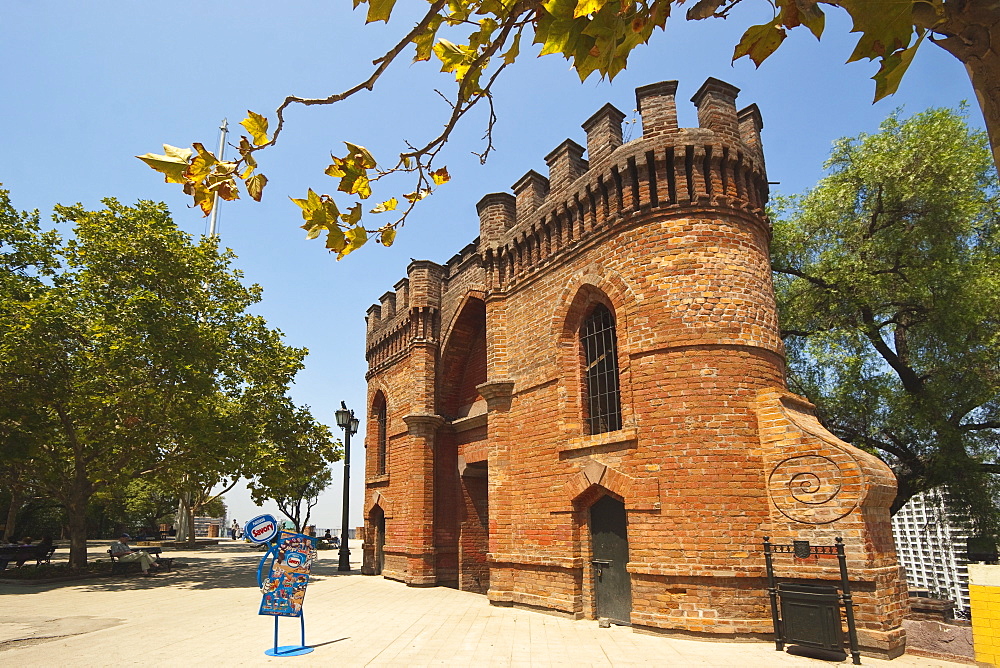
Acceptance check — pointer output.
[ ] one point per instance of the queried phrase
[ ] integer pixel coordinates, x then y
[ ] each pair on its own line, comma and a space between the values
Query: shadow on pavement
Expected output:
219, 569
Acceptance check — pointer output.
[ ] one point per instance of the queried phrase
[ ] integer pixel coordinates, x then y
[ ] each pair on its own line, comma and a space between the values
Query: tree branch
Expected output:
975, 426
912, 383
791, 271
381, 64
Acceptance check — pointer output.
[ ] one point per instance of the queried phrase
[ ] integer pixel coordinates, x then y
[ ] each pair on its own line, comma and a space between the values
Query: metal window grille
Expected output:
382, 418
600, 352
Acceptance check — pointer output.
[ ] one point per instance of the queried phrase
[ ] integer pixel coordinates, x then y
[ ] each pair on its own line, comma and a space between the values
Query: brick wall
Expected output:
492, 472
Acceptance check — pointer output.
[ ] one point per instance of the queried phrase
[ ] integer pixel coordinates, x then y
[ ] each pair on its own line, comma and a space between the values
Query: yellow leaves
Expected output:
418, 195
255, 186
321, 213
202, 176
597, 35
585, 7
703, 9
387, 235
353, 215
256, 125
172, 164
335, 240
352, 170
512, 53
885, 26
356, 238
440, 176
202, 164
760, 41
425, 39
388, 205
891, 72
379, 10
811, 16
455, 58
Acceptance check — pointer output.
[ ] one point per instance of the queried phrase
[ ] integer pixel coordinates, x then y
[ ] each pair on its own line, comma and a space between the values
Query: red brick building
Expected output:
585, 410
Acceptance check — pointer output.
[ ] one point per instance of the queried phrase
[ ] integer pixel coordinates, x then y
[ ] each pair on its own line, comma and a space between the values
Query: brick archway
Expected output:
382, 503
578, 297
638, 493
583, 289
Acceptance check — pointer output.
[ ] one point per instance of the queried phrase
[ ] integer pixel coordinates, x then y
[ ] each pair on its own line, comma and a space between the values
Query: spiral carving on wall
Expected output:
808, 489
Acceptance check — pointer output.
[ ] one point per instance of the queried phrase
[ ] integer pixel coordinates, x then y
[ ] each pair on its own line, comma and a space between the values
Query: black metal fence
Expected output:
808, 614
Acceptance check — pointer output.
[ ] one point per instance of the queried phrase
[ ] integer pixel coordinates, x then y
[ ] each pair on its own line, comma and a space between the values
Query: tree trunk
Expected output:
185, 527
77, 520
192, 540
15, 506
972, 34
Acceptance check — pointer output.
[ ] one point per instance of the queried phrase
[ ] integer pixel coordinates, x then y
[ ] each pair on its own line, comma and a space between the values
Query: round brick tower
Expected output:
500, 478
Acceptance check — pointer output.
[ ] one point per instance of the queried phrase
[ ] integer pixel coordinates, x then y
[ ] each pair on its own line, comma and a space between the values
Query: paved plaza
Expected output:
206, 615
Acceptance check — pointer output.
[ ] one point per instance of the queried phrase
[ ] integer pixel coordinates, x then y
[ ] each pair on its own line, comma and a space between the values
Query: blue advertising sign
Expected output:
261, 529
284, 587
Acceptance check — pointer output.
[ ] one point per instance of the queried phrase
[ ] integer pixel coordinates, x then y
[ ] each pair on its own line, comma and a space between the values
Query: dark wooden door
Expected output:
609, 547
379, 544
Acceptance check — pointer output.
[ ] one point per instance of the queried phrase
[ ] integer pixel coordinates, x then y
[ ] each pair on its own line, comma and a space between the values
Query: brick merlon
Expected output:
716, 103
494, 199
423, 264
713, 85
568, 147
657, 106
608, 112
530, 191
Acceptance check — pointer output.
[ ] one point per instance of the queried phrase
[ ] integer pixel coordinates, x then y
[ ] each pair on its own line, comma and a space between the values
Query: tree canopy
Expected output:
475, 40
126, 351
888, 282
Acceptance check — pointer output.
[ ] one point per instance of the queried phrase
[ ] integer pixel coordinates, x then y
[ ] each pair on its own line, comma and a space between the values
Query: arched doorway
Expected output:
609, 555
461, 513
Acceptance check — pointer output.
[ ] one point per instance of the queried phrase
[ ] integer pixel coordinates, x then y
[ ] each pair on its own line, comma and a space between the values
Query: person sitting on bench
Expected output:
123, 552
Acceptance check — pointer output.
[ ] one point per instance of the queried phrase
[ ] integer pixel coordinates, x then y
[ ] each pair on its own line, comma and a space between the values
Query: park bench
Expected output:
119, 566
25, 553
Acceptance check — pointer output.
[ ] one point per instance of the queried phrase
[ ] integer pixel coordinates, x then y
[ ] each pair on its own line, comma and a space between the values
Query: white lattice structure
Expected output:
931, 545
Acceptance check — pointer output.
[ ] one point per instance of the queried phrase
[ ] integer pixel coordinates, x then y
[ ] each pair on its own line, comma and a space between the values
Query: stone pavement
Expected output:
206, 615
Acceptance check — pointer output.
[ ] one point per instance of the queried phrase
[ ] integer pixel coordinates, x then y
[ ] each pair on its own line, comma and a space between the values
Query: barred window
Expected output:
382, 418
600, 357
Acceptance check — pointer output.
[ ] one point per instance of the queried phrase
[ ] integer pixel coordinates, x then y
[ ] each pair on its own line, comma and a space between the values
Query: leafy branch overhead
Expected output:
475, 40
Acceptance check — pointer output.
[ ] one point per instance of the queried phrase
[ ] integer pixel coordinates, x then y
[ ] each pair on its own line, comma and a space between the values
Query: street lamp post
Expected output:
349, 423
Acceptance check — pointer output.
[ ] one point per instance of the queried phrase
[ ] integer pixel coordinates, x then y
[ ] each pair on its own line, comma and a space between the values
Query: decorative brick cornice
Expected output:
497, 393
423, 424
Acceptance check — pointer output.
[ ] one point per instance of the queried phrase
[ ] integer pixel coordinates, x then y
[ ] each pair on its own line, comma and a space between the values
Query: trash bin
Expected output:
810, 615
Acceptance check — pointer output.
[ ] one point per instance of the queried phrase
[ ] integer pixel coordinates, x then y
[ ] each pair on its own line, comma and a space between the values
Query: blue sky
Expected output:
88, 86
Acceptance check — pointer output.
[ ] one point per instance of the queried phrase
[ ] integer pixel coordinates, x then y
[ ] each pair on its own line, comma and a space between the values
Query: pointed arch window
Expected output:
602, 400
381, 443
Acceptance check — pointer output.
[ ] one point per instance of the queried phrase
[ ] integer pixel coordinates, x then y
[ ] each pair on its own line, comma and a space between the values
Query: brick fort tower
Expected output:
585, 410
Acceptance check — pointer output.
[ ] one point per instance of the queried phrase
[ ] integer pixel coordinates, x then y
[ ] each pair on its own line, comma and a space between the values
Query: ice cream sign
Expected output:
261, 529
283, 582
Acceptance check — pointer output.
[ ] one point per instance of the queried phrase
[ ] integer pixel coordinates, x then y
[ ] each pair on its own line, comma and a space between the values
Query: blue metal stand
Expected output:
290, 650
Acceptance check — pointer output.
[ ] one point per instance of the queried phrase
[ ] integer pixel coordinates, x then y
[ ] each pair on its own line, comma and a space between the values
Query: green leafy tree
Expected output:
126, 333
133, 505
293, 471
214, 508
475, 40
888, 282
27, 260
233, 434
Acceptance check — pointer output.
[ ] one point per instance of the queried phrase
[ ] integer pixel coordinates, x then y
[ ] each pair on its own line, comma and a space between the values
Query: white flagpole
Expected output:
223, 129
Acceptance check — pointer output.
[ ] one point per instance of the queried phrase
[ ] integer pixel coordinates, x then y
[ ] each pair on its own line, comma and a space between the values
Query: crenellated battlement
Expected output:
667, 170
718, 164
